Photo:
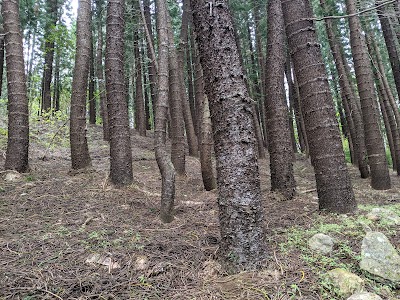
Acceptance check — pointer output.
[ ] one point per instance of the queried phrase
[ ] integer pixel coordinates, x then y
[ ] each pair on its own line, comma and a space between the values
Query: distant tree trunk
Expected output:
160, 132
333, 181
18, 115
277, 115
92, 98
189, 66
100, 73
353, 115
300, 116
147, 95
380, 179
57, 84
176, 106
140, 113
49, 54
205, 129
117, 107
240, 207
79, 148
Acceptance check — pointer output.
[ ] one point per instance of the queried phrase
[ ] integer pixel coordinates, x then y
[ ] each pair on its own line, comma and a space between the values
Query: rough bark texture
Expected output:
240, 208
1, 57
51, 11
100, 75
18, 115
277, 115
92, 99
353, 115
120, 142
57, 85
374, 143
333, 182
79, 147
161, 116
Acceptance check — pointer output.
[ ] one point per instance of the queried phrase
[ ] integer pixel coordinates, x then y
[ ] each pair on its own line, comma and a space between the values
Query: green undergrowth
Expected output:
347, 232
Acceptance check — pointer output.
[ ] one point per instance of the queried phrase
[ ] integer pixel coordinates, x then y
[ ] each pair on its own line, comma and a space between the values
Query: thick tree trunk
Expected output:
241, 215
140, 113
353, 115
79, 148
1, 57
117, 107
277, 115
18, 115
161, 116
380, 179
333, 181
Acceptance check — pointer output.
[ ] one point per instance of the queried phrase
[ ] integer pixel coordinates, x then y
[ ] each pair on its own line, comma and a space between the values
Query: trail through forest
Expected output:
67, 235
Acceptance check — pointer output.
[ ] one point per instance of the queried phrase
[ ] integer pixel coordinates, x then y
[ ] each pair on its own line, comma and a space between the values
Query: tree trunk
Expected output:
18, 115
79, 148
333, 181
57, 84
1, 57
380, 179
240, 207
277, 115
117, 107
92, 98
160, 132
354, 119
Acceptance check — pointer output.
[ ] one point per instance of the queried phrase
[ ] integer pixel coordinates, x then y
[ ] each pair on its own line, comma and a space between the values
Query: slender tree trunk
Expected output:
278, 131
147, 95
117, 107
92, 98
57, 84
18, 115
189, 66
380, 179
333, 181
241, 215
164, 162
354, 119
79, 148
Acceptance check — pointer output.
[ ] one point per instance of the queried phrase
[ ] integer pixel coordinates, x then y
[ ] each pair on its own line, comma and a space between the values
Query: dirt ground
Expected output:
67, 235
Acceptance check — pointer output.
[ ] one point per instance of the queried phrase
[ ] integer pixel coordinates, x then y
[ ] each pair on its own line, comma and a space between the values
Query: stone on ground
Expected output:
379, 257
384, 214
345, 282
364, 296
321, 243
12, 176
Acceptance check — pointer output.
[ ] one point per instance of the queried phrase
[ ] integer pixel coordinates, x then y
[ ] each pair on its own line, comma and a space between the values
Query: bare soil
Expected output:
53, 221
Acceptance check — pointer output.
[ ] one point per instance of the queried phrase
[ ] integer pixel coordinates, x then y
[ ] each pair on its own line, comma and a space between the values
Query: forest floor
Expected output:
66, 235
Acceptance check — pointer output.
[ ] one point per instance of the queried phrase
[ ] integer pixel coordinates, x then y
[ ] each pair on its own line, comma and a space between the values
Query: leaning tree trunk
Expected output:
117, 107
333, 181
79, 148
164, 162
18, 115
277, 115
240, 207
380, 179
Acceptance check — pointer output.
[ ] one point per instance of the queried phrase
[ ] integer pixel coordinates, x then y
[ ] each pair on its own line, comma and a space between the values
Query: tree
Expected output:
277, 115
18, 115
79, 148
380, 179
239, 198
117, 107
333, 182
91, 97
164, 162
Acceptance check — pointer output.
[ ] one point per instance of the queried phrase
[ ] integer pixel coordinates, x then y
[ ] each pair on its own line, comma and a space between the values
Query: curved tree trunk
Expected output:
277, 115
164, 162
79, 147
380, 179
117, 107
333, 181
240, 207
18, 115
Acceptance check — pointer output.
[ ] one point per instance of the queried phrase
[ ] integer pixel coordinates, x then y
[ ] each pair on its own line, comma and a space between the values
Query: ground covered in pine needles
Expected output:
72, 235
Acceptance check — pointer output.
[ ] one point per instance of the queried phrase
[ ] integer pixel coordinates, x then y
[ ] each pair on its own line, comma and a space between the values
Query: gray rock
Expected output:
379, 257
12, 176
364, 296
384, 214
321, 243
345, 282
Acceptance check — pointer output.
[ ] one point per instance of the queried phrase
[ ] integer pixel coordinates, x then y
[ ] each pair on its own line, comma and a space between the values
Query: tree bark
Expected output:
120, 142
18, 115
333, 181
277, 115
92, 99
240, 207
1, 57
79, 148
380, 179
164, 162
